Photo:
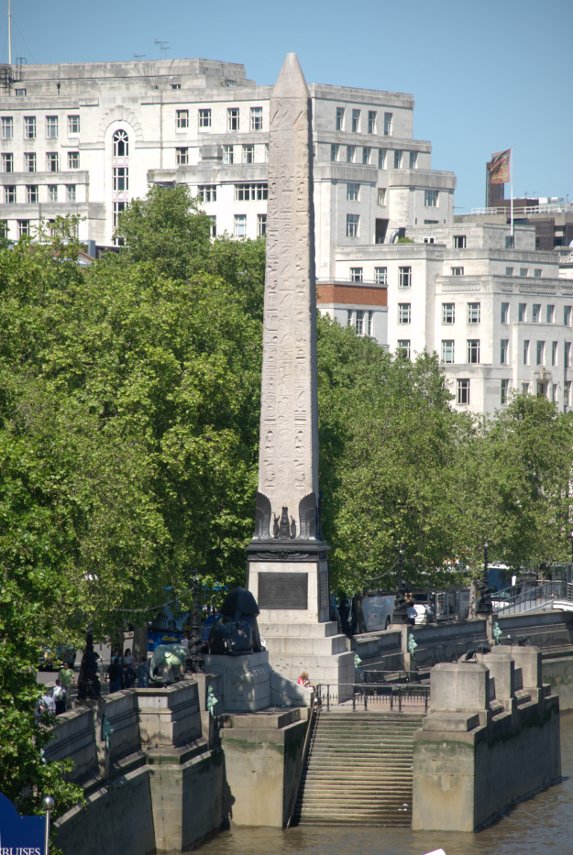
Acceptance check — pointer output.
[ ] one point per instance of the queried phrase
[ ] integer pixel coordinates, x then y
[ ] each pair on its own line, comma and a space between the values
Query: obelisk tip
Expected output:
291, 79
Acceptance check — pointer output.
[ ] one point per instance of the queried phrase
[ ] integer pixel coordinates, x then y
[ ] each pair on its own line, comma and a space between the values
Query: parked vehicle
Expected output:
373, 611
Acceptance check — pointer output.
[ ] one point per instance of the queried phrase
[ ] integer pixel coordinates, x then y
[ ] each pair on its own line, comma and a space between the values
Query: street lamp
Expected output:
484, 606
48, 805
571, 542
400, 613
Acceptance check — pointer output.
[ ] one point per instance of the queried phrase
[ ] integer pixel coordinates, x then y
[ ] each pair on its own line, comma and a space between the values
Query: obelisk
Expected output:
288, 456
287, 498
287, 558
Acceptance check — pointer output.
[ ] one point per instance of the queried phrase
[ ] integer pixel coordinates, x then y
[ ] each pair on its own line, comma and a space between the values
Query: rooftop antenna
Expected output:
9, 32
163, 47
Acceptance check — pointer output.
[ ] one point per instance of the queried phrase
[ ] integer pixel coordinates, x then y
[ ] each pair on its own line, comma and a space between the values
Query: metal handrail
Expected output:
531, 597
365, 694
310, 729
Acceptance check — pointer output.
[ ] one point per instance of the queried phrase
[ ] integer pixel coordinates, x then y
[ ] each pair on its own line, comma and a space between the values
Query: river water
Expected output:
538, 826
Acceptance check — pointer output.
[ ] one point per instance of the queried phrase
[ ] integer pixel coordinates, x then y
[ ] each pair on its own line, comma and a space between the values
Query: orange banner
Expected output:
498, 167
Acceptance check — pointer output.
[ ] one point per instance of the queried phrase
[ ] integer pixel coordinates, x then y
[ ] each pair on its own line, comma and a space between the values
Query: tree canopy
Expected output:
129, 413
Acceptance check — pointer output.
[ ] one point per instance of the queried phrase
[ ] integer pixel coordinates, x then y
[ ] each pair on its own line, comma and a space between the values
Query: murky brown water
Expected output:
536, 827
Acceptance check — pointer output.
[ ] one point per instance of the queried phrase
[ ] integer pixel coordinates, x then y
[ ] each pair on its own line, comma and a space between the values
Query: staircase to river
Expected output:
359, 769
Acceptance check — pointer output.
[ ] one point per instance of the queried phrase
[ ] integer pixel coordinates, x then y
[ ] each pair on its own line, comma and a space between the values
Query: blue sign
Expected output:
20, 835
155, 637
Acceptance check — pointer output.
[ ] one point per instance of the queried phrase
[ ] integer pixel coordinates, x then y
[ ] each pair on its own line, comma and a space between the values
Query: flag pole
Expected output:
9, 32
511, 193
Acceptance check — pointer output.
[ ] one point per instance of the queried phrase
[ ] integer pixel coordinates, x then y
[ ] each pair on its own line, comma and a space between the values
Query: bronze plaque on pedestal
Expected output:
283, 591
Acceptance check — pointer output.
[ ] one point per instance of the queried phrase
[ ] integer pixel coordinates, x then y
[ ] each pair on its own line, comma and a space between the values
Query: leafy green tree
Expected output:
25, 777
515, 485
389, 442
167, 230
129, 416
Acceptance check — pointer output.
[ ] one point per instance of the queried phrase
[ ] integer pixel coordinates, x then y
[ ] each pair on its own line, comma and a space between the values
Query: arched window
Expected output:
120, 144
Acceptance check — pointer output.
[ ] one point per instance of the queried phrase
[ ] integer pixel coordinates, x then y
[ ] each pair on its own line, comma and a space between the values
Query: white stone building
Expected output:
85, 139
499, 317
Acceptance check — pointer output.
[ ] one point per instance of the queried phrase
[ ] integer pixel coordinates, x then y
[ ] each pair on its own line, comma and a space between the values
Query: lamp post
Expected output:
571, 542
400, 613
48, 805
484, 606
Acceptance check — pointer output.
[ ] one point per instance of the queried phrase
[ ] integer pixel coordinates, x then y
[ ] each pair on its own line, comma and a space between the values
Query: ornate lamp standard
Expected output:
484, 606
400, 613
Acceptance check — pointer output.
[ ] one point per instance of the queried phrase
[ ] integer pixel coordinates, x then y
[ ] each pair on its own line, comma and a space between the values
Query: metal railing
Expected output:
394, 697
308, 742
508, 601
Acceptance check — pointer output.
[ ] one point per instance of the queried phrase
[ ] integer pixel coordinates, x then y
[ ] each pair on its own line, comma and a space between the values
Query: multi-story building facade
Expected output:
86, 139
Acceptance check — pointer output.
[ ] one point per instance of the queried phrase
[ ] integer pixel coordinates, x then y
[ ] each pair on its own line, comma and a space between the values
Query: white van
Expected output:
373, 611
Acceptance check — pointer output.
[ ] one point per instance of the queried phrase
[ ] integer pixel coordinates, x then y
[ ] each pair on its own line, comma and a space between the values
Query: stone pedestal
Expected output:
290, 584
245, 681
263, 758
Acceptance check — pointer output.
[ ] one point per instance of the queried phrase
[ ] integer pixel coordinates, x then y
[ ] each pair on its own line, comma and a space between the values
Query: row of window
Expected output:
205, 119
247, 192
52, 162
247, 154
369, 155
540, 350
381, 275
30, 127
353, 195
361, 320
448, 352
25, 227
524, 271
550, 391
536, 316
357, 121
31, 193
30, 124
448, 309
30, 161
240, 225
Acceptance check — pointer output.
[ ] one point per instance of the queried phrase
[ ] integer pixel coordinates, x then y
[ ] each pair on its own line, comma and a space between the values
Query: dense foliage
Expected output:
129, 409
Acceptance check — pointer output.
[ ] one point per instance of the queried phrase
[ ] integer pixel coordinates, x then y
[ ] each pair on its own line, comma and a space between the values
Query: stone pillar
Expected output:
501, 677
459, 687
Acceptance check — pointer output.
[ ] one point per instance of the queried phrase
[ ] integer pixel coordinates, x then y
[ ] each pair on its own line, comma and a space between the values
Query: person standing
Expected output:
46, 705
128, 674
67, 681
59, 695
143, 674
114, 673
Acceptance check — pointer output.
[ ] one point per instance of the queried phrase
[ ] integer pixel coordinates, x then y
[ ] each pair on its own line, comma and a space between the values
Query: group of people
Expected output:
57, 700
124, 673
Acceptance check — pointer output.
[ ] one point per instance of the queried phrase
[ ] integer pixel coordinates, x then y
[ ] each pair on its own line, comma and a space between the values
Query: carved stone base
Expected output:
289, 583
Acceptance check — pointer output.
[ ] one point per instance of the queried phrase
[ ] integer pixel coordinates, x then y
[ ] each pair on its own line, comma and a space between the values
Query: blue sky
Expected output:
485, 74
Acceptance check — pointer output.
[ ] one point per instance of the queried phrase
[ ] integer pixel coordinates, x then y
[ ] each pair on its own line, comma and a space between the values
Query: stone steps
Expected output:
359, 770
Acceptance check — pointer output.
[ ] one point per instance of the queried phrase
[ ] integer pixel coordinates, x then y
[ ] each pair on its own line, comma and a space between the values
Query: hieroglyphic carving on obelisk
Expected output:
288, 457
